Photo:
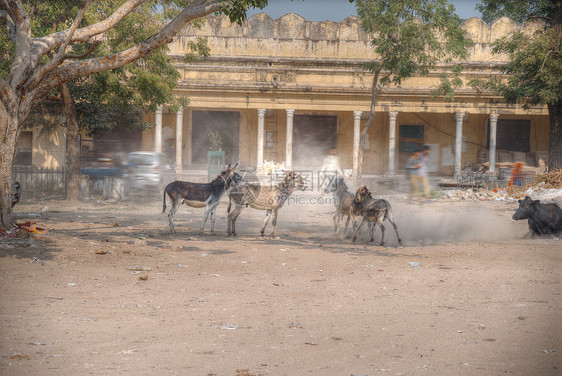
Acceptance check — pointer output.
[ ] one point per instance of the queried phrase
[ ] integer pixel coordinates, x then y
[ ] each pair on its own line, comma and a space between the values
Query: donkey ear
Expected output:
234, 167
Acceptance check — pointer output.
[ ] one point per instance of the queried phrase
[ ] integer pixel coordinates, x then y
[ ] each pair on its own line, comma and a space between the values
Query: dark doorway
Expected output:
313, 137
224, 123
410, 139
24, 149
512, 135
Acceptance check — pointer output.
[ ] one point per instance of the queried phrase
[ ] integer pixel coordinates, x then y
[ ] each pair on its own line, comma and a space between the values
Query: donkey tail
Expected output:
229, 205
164, 200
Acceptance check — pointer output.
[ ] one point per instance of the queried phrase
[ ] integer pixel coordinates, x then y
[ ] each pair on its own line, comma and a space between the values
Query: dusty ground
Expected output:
466, 295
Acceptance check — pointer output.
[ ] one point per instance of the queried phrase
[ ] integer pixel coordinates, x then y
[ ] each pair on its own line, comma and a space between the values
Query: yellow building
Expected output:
290, 89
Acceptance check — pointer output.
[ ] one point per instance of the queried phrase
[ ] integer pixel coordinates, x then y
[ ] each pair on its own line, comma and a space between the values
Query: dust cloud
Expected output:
432, 223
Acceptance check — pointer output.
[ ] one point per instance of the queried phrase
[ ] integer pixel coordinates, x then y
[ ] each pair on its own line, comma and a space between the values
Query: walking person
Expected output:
330, 169
412, 167
422, 173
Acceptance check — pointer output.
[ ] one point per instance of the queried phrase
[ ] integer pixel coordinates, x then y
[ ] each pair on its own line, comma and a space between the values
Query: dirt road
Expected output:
466, 295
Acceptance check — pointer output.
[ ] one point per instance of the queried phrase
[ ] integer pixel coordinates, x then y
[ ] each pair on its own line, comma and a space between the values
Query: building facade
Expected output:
287, 90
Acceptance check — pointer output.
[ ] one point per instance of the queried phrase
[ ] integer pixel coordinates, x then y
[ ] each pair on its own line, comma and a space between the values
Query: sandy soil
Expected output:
466, 295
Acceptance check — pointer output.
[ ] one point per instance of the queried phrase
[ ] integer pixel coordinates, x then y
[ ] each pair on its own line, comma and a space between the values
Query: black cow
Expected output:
542, 218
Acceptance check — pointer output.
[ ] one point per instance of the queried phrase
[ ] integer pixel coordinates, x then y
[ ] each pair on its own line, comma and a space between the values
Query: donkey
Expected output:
262, 197
375, 211
200, 195
345, 204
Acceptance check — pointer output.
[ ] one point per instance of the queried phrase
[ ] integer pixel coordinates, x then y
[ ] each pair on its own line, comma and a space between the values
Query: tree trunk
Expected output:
72, 146
555, 147
9, 132
364, 135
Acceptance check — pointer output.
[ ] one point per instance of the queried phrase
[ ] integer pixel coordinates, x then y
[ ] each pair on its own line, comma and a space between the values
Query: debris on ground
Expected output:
139, 268
546, 186
22, 230
479, 194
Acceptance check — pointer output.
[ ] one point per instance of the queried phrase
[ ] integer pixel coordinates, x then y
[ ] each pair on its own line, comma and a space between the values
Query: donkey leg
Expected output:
347, 235
372, 229
350, 219
379, 222
173, 210
391, 220
213, 216
205, 216
229, 221
267, 216
230, 230
234, 220
274, 222
358, 229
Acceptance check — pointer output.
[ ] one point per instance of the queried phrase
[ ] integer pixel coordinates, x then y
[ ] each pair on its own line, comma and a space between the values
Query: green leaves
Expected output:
534, 68
410, 36
519, 11
236, 9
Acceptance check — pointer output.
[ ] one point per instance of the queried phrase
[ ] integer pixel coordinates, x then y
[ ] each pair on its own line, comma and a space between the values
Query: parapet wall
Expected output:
293, 36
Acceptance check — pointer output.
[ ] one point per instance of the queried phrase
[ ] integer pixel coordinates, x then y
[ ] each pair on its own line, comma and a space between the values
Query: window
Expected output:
410, 138
24, 149
512, 135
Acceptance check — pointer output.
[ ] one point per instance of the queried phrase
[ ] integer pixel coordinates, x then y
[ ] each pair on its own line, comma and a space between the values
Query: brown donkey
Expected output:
257, 196
375, 211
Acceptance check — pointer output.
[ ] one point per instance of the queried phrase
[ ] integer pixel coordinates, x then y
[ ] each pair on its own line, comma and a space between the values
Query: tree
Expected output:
37, 65
534, 63
409, 37
119, 97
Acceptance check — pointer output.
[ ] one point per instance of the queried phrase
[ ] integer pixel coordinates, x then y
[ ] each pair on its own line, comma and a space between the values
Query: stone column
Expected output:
391, 142
289, 140
493, 131
458, 144
179, 141
261, 131
158, 130
356, 139
188, 147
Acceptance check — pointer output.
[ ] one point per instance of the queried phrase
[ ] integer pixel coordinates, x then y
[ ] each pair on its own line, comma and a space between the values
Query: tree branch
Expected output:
20, 66
42, 46
7, 94
80, 68
10, 25
90, 50
61, 54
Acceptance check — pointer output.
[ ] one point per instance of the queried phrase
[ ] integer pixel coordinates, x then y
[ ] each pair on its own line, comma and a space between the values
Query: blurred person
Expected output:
517, 175
331, 166
422, 173
412, 167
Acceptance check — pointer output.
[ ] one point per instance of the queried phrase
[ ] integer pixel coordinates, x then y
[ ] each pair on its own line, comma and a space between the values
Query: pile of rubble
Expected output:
546, 186
477, 194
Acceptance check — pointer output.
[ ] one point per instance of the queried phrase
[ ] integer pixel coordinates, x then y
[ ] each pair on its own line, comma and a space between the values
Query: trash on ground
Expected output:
138, 267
